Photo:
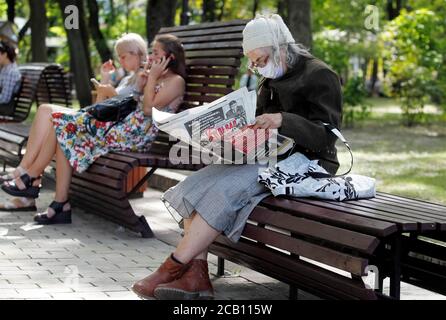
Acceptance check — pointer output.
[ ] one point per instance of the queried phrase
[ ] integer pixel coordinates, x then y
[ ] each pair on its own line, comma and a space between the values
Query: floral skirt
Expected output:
84, 139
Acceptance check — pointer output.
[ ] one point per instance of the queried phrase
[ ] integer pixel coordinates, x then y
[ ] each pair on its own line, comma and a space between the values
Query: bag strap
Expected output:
339, 135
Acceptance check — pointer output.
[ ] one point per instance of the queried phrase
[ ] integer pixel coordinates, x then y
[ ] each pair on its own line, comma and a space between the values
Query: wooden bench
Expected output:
41, 83
396, 236
213, 53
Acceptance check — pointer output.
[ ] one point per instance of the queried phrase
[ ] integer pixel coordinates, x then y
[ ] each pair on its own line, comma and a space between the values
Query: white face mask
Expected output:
271, 71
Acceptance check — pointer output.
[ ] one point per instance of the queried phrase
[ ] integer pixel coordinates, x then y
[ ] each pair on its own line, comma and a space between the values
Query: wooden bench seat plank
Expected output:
332, 217
410, 206
401, 210
307, 276
205, 28
18, 129
213, 53
325, 255
406, 224
339, 236
355, 207
93, 187
100, 180
117, 157
215, 37
107, 172
416, 203
213, 45
108, 200
119, 165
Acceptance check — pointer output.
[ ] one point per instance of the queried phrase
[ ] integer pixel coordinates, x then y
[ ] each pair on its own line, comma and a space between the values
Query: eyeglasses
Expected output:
259, 63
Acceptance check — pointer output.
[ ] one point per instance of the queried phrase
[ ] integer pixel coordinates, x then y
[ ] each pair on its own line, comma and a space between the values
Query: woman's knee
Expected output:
45, 109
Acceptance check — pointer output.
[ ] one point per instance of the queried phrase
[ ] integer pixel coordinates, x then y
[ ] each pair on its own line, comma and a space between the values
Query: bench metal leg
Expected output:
146, 231
294, 293
220, 267
395, 275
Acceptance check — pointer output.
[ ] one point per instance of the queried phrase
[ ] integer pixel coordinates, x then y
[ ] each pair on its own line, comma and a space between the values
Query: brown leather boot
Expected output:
170, 270
194, 284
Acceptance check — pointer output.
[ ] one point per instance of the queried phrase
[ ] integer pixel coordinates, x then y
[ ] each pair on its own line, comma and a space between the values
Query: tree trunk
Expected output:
98, 37
160, 13
299, 21
374, 77
79, 53
39, 27
255, 7
185, 13
393, 8
282, 10
127, 15
208, 14
11, 10
222, 10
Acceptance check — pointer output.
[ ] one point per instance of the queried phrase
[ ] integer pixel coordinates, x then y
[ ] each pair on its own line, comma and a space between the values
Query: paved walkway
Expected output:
96, 259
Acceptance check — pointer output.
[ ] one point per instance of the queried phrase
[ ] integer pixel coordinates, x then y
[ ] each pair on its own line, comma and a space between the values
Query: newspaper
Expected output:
223, 128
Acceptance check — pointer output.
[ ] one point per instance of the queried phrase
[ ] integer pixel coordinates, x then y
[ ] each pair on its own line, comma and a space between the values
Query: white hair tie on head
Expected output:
266, 31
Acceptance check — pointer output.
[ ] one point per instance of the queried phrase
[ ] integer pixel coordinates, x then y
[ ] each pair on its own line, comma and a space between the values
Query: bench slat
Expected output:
332, 217
325, 255
404, 221
303, 274
339, 236
412, 202
93, 187
383, 205
403, 224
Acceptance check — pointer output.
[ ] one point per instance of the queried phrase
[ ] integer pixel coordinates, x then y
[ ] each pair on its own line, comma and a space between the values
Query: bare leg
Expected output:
45, 155
39, 130
198, 236
63, 180
63, 176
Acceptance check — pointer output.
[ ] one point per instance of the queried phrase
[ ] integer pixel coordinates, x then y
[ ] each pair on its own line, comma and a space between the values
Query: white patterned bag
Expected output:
297, 176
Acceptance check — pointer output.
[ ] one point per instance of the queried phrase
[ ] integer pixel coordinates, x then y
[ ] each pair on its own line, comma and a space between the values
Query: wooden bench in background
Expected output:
41, 83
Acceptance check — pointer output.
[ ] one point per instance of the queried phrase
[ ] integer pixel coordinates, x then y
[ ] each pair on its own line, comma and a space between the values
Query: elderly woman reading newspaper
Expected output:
296, 95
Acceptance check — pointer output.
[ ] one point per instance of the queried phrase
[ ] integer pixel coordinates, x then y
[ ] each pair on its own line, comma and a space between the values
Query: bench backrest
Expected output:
213, 54
42, 83
213, 57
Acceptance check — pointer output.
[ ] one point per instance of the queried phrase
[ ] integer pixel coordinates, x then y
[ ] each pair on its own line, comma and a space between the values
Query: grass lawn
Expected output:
405, 161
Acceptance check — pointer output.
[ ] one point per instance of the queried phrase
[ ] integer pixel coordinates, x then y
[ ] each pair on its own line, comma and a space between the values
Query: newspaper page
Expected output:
224, 129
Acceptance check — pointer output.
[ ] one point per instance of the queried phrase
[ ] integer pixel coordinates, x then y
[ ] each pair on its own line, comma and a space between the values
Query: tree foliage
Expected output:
415, 52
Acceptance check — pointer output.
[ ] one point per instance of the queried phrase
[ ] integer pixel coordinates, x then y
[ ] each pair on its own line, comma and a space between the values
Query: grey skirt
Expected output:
223, 195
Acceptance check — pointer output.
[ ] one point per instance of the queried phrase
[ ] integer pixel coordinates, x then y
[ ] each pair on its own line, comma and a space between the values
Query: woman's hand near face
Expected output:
159, 68
268, 121
106, 68
141, 78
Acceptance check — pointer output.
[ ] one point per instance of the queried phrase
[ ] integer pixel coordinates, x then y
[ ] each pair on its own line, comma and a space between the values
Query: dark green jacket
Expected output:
307, 95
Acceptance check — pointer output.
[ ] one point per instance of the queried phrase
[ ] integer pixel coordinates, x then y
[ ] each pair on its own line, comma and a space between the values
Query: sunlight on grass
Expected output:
405, 161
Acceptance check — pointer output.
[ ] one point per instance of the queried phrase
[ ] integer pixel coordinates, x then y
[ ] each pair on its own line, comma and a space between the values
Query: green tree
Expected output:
414, 55
39, 28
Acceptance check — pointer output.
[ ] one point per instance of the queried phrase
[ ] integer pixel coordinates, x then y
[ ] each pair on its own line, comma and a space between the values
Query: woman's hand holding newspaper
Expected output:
268, 121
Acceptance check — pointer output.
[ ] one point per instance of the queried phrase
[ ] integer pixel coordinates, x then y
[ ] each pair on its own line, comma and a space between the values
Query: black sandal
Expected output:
59, 216
30, 191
